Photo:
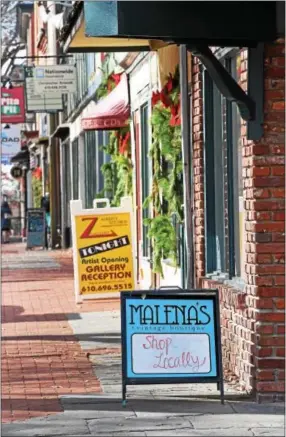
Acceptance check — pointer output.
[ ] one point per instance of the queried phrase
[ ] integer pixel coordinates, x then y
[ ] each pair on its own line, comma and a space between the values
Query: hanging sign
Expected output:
10, 141
12, 105
16, 172
170, 337
36, 228
40, 102
55, 79
102, 249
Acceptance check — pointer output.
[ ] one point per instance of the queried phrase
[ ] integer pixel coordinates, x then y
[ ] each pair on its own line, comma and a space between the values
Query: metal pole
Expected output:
42, 57
187, 166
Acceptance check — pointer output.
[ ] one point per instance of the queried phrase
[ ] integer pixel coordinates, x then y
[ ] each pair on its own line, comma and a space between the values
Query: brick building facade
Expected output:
239, 201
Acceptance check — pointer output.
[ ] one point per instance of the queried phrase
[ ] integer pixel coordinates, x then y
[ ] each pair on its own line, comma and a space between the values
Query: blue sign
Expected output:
170, 337
36, 228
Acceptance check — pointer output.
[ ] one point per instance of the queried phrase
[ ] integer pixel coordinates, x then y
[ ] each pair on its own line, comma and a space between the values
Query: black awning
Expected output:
21, 157
211, 23
62, 131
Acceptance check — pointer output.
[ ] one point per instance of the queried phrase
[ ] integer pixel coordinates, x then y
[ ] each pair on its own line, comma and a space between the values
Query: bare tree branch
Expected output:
11, 43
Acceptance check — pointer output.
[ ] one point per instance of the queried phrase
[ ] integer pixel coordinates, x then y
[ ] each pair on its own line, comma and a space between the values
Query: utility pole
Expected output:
187, 166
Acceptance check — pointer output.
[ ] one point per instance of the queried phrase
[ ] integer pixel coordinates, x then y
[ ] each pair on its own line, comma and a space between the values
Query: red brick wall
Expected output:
198, 168
253, 319
264, 189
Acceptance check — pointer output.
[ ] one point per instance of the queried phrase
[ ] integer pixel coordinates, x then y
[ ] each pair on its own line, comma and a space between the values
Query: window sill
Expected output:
223, 278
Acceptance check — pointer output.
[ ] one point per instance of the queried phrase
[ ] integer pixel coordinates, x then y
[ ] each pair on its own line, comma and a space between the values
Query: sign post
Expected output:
102, 249
36, 228
169, 337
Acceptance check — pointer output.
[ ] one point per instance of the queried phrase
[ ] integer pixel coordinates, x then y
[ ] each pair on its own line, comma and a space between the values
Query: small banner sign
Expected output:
12, 105
36, 228
102, 249
10, 141
171, 337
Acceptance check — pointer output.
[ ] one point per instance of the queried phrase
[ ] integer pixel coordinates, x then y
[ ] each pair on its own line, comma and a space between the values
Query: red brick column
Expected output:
264, 193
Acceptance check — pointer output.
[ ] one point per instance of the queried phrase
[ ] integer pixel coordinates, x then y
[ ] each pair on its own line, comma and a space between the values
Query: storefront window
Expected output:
223, 179
90, 168
75, 161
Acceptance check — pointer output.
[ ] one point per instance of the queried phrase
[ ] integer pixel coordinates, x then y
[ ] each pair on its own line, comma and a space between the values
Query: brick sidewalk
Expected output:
41, 358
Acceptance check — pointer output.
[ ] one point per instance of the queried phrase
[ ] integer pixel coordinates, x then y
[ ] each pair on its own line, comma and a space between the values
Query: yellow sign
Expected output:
104, 253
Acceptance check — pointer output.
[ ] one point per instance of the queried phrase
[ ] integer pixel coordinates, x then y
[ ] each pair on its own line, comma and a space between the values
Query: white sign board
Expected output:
55, 79
170, 353
10, 142
36, 102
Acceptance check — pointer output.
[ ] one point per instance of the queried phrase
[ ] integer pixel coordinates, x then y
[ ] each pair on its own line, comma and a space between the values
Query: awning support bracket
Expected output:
250, 105
224, 81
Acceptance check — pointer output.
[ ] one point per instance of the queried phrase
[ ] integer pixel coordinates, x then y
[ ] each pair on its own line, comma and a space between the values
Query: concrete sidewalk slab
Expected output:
104, 415
96, 330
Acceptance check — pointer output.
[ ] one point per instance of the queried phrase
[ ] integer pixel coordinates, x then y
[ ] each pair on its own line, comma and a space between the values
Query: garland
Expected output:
109, 81
107, 85
167, 188
118, 172
37, 187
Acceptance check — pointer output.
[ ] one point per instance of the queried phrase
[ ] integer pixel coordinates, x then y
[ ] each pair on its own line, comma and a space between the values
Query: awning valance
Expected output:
112, 112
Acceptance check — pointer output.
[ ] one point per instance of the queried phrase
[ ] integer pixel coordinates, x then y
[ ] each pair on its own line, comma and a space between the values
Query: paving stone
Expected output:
97, 330
140, 425
95, 413
273, 432
236, 420
254, 408
67, 400
41, 260
181, 408
33, 429
126, 433
209, 433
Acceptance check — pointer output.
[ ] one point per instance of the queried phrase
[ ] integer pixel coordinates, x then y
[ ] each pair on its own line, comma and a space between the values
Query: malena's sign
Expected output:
170, 337
103, 249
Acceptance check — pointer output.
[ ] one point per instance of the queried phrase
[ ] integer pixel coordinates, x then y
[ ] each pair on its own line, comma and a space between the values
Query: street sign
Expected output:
36, 228
16, 172
55, 79
51, 102
102, 249
171, 337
